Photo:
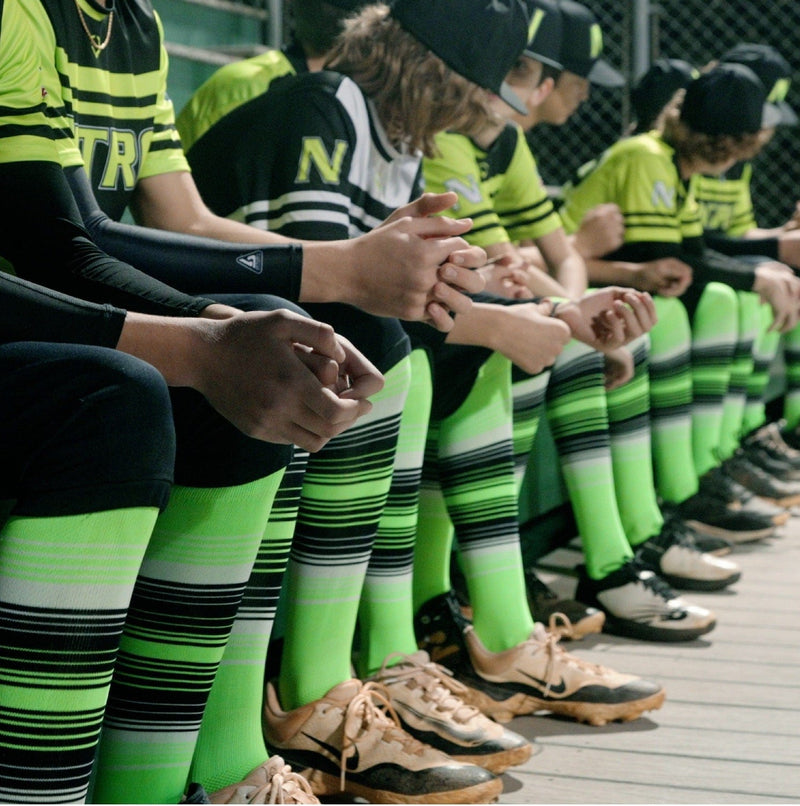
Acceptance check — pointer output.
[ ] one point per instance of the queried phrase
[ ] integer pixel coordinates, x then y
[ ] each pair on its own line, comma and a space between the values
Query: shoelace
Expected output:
547, 641
436, 682
284, 785
369, 708
560, 624
280, 784
653, 582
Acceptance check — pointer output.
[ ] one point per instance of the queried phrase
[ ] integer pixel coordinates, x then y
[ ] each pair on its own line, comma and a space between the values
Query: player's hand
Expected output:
506, 277
789, 247
415, 266
283, 378
602, 230
780, 289
794, 222
528, 336
668, 277
610, 317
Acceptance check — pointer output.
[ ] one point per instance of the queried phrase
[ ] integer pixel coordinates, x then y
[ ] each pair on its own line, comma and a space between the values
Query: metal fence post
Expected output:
640, 41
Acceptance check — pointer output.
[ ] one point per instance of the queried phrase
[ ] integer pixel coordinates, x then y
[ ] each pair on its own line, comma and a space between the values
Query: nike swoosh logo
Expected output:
559, 688
351, 763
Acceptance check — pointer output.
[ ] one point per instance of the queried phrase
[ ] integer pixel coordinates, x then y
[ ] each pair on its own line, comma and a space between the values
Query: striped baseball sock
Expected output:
742, 369
231, 743
474, 466
714, 334
65, 586
578, 419
631, 454
764, 351
671, 401
386, 611
791, 357
344, 492
183, 606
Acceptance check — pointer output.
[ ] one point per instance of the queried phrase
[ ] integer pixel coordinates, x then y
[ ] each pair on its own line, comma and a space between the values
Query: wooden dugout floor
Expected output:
729, 731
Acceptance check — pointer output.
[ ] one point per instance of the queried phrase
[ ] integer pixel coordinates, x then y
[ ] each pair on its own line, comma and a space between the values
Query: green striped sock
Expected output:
65, 586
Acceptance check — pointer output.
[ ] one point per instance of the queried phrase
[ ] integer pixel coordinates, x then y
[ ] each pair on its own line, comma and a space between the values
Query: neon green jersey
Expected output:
25, 134
499, 188
638, 174
230, 87
725, 202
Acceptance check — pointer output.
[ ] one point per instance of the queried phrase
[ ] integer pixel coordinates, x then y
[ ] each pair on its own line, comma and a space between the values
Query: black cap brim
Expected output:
512, 99
604, 75
532, 54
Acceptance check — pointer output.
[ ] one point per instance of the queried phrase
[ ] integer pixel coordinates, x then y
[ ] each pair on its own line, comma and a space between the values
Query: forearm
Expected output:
477, 327
192, 264
602, 272
748, 245
571, 274
175, 347
29, 312
44, 240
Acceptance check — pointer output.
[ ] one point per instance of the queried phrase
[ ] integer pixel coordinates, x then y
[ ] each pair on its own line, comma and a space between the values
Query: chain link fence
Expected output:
698, 31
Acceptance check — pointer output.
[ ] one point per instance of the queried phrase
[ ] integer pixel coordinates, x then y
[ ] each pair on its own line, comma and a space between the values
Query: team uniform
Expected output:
109, 110
690, 369
726, 210
233, 85
500, 187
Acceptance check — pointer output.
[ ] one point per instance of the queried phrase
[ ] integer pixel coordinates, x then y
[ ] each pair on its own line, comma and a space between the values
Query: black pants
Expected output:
84, 429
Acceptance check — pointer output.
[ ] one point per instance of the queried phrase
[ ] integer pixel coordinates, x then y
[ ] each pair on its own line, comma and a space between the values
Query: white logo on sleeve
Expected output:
471, 192
663, 195
252, 261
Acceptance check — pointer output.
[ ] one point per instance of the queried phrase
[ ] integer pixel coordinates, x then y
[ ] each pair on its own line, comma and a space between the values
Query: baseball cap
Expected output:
657, 85
545, 33
478, 39
728, 99
773, 70
582, 44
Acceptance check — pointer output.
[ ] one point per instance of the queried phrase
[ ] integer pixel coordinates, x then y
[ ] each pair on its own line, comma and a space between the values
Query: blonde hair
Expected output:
714, 149
415, 93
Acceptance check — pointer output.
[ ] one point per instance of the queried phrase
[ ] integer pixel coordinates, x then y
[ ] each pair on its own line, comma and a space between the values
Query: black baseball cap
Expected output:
773, 70
654, 89
478, 39
728, 99
582, 44
545, 32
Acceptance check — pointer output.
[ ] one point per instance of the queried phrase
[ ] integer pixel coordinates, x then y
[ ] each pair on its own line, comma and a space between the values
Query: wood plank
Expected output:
712, 740
739, 779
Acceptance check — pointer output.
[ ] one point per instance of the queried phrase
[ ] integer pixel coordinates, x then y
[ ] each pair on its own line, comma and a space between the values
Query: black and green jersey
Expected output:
309, 159
639, 174
109, 108
725, 202
661, 216
233, 85
499, 188
25, 133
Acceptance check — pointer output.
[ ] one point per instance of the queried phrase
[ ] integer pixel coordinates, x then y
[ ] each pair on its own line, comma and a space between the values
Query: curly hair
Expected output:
415, 93
714, 149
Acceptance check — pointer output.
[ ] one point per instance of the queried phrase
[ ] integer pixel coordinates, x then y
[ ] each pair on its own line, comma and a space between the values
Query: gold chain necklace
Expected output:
97, 45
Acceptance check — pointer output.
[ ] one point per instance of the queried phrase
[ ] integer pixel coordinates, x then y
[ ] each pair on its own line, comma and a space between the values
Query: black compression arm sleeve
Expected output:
728, 245
708, 265
194, 265
43, 239
31, 313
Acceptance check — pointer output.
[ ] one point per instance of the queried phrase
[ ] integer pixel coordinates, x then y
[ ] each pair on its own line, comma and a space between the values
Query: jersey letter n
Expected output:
328, 166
